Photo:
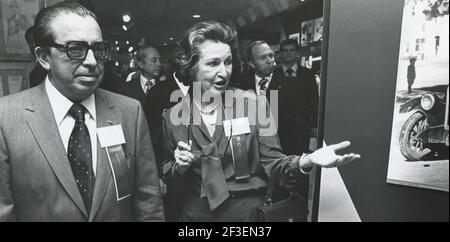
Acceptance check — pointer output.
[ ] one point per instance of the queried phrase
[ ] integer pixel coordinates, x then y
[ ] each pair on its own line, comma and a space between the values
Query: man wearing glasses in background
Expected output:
68, 150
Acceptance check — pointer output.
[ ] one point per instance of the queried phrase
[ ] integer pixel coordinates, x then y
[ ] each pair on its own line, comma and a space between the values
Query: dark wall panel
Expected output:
364, 40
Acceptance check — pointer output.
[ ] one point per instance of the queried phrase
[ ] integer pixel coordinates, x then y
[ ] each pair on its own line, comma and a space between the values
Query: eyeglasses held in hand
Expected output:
200, 154
77, 50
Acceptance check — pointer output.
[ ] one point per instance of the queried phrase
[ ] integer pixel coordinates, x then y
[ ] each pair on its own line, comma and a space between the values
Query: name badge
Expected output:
110, 136
237, 126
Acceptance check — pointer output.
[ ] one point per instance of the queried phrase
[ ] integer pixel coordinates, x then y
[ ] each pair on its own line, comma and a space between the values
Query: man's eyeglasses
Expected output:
77, 50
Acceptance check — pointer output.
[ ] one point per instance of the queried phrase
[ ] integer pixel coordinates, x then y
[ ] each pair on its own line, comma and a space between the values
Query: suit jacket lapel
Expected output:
104, 116
45, 130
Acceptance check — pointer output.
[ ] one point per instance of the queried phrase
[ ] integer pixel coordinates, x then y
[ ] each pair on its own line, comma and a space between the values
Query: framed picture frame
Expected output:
12, 81
419, 154
16, 16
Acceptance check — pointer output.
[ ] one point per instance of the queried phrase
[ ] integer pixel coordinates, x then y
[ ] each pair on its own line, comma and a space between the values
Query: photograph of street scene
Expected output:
419, 153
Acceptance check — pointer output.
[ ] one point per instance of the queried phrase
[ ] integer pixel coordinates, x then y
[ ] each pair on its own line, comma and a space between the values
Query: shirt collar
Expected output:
258, 79
61, 105
144, 80
294, 67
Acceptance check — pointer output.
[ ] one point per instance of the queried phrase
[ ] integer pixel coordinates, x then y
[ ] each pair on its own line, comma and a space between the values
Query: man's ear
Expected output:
251, 64
43, 56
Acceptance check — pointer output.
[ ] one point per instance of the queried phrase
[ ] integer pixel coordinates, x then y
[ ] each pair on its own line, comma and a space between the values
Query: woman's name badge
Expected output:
111, 138
236, 126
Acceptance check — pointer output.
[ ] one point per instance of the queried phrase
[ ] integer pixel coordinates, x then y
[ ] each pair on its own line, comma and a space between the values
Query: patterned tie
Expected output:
289, 71
148, 86
79, 153
262, 86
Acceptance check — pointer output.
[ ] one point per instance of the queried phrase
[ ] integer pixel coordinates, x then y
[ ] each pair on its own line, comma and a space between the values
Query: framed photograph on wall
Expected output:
318, 29
307, 32
12, 81
16, 16
419, 154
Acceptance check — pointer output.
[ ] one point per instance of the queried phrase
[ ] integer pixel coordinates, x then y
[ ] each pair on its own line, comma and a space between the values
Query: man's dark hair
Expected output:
251, 46
142, 45
289, 42
42, 33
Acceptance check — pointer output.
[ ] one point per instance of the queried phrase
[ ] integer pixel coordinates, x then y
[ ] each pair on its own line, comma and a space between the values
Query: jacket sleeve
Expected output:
6, 198
169, 145
147, 198
272, 158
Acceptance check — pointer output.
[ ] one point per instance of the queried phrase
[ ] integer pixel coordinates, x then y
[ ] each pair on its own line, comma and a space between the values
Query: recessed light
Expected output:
117, 48
126, 18
196, 16
124, 27
171, 38
165, 44
117, 63
128, 42
117, 42
130, 49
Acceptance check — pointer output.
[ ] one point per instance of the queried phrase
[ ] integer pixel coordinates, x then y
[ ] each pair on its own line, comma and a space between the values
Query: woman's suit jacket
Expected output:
262, 143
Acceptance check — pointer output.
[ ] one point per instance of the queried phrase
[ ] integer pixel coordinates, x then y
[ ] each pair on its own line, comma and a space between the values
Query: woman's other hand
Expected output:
183, 157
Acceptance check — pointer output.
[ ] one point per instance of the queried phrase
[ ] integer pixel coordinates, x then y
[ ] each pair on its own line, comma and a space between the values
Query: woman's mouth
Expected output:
220, 84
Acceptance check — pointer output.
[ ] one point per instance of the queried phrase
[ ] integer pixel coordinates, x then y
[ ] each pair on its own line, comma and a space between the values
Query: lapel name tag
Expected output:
110, 136
237, 126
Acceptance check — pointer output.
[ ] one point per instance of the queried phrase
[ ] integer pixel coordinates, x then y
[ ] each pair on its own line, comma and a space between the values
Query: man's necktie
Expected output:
289, 71
148, 86
262, 85
79, 153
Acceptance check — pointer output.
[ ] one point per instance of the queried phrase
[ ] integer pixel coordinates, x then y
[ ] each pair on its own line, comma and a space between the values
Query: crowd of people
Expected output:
195, 141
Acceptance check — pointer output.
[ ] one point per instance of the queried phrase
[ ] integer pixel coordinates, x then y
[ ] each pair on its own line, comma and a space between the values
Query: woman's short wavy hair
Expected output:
198, 34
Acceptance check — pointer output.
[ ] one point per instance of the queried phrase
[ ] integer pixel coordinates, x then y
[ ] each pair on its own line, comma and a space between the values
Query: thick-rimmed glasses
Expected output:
77, 50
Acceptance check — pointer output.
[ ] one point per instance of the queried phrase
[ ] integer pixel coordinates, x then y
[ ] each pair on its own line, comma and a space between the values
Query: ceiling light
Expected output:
128, 42
126, 18
196, 16
124, 27
171, 38
117, 63
165, 44
117, 42
130, 49
117, 48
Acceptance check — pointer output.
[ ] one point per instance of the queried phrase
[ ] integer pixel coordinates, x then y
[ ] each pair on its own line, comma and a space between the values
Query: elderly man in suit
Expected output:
68, 150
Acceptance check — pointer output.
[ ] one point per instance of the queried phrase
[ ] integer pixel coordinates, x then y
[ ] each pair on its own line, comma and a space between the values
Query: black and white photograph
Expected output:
307, 32
203, 114
419, 144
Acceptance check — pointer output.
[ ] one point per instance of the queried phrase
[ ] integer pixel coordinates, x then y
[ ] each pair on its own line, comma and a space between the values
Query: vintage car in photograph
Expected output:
426, 129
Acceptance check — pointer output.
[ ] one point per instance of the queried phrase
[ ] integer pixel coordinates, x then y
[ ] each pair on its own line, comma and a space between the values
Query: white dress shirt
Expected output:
294, 68
60, 106
257, 80
144, 81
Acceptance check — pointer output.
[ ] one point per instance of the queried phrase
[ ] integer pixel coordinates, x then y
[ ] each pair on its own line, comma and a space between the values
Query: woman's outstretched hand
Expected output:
327, 157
